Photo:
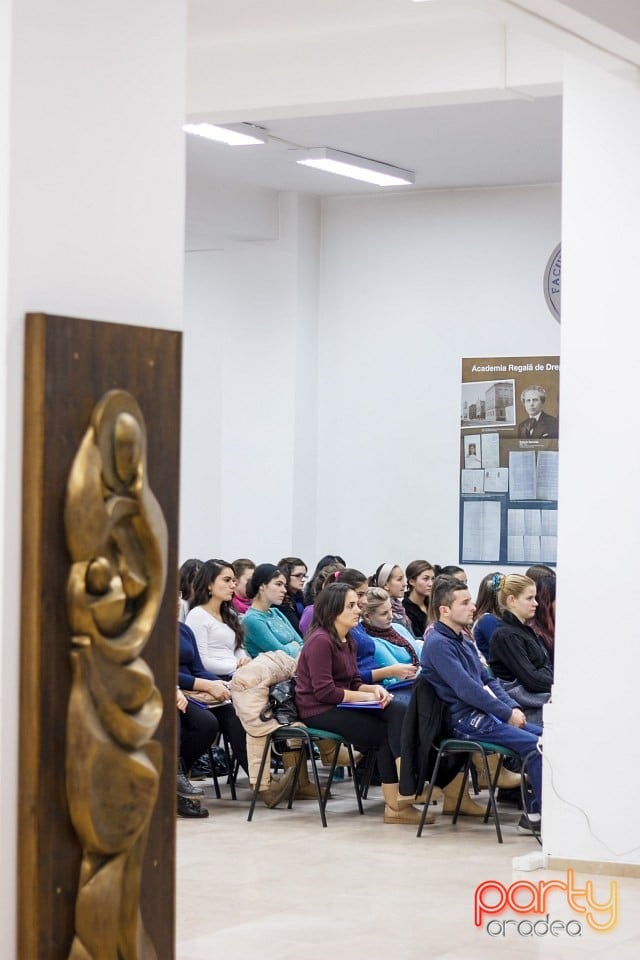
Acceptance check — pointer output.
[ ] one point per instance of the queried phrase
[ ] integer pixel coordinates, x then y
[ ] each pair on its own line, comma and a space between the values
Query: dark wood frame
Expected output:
69, 365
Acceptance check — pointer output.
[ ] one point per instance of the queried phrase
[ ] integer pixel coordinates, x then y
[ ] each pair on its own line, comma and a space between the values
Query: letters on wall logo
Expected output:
552, 276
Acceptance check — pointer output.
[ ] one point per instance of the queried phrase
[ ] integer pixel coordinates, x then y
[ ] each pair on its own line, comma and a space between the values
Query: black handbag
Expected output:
282, 703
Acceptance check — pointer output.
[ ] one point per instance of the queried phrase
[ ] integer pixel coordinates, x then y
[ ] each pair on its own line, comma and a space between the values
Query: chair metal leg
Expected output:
427, 799
232, 767
214, 776
265, 753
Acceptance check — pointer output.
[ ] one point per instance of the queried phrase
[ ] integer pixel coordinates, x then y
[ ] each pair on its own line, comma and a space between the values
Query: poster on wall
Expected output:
509, 460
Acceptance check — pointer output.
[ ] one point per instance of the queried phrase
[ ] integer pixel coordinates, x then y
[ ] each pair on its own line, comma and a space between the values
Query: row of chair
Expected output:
306, 738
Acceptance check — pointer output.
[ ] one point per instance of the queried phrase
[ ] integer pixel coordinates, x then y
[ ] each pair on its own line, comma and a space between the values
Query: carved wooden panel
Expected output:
70, 364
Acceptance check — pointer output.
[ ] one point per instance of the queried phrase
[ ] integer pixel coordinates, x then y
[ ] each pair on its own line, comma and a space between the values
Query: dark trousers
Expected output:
198, 730
379, 730
234, 732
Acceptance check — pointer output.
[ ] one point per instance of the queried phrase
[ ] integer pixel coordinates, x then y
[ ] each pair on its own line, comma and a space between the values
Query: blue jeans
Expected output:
477, 725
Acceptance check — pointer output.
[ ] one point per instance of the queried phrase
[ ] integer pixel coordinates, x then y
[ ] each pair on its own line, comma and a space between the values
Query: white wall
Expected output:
95, 229
410, 285
249, 433
590, 753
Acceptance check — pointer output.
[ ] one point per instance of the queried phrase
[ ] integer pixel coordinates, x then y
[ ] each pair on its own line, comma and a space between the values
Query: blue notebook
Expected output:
363, 705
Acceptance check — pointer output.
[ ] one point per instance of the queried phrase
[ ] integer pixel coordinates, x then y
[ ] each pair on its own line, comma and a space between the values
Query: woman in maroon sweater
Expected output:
327, 676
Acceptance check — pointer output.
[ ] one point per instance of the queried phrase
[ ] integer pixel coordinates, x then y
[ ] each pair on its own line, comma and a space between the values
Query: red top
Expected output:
324, 672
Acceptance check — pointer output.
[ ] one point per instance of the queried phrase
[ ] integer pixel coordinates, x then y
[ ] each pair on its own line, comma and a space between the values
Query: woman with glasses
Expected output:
295, 571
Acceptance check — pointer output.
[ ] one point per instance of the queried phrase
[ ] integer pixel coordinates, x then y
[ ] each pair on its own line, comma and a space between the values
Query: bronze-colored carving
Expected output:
117, 539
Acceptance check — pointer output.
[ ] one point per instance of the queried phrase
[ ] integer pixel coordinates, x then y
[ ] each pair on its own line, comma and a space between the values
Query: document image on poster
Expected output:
481, 531
472, 481
547, 475
522, 475
490, 449
496, 480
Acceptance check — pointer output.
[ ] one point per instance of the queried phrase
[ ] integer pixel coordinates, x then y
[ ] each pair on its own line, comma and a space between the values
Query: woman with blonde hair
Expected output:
396, 651
517, 656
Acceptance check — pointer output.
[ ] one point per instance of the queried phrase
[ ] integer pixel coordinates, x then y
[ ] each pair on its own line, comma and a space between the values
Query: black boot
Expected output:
191, 809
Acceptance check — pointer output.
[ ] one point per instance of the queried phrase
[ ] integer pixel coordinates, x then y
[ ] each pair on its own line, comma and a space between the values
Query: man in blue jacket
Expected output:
479, 707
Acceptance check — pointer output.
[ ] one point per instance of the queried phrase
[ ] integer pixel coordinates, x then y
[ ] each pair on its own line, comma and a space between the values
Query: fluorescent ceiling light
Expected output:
350, 165
233, 134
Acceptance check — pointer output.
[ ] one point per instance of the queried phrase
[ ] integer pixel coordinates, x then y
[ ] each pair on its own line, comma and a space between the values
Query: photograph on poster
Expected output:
509, 460
472, 452
488, 403
538, 424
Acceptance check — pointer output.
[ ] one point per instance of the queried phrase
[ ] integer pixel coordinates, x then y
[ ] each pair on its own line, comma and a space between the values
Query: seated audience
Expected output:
539, 570
329, 558
295, 570
327, 676
186, 577
420, 576
198, 730
518, 657
396, 651
192, 677
544, 619
265, 627
214, 620
390, 577
327, 574
243, 569
479, 706
487, 612
452, 571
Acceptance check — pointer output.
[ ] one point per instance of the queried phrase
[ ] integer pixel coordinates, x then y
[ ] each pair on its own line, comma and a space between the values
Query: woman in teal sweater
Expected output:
265, 628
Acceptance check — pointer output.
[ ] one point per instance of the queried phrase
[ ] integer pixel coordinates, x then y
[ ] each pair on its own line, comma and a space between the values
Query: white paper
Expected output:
472, 481
481, 531
522, 475
496, 480
490, 450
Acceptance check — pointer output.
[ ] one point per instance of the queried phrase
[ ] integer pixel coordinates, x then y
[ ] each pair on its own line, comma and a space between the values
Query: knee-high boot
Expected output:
467, 806
507, 779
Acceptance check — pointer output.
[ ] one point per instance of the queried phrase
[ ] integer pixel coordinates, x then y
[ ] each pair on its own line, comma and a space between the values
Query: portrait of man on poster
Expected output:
538, 425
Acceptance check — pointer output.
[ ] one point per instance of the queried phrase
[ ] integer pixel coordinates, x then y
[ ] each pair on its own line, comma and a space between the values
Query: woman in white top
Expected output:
214, 621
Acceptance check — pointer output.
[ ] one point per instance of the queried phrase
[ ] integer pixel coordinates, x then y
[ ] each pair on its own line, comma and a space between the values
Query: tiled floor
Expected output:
283, 887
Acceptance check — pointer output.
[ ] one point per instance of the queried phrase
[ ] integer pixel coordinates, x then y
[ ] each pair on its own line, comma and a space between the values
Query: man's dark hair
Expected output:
442, 594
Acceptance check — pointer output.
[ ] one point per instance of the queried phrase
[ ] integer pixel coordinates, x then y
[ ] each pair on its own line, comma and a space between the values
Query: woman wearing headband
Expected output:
390, 577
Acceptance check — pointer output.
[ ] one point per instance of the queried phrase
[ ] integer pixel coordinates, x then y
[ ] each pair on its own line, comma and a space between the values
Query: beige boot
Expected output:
396, 811
327, 750
277, 789
507, 779
409, 800
305, 789
467, 807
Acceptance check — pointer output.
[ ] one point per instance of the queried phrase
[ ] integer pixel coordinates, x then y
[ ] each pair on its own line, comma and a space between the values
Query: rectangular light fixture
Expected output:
353, 166
233, 134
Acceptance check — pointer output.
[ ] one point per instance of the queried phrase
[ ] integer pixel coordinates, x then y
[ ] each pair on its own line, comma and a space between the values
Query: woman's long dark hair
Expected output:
328, 606
208, 572
544, 619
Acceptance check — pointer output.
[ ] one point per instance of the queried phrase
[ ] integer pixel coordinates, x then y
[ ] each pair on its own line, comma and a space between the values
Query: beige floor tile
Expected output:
282, 887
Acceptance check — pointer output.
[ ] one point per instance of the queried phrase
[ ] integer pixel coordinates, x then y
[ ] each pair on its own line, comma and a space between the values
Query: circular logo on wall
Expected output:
552, 282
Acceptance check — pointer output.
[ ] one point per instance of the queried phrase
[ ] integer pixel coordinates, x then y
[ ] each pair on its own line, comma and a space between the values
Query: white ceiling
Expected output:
462, 92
